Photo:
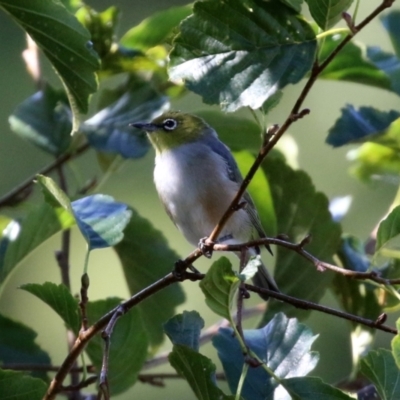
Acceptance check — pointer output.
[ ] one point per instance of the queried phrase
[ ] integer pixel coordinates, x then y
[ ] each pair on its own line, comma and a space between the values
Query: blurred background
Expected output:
133, 184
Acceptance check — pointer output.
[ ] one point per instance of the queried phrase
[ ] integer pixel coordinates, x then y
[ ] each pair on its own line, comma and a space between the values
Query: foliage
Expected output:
236, 54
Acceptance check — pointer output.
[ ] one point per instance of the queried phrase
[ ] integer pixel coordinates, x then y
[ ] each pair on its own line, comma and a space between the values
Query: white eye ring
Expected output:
169, 124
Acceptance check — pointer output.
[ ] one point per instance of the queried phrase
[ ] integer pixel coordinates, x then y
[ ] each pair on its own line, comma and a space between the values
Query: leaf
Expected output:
60, 299
295, 4
101, 220
365, 124
396, 345
18, 346
239, 53
283, 345
145, 257
109, 129
380, 368
328, 13
45, 120
18, 386
300, 211
198, 370
64, 41
184, 329
388, 229
128, 349
390, 22
21, 237
156, 29
220, 286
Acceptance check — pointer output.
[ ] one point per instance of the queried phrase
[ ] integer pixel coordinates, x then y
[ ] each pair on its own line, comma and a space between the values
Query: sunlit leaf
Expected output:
388, 229
328, 13
18, 386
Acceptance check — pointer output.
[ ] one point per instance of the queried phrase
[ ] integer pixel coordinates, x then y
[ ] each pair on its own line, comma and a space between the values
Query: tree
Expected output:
237, 55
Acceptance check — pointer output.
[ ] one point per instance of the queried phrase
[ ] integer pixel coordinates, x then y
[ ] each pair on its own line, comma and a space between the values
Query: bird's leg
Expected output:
206, 247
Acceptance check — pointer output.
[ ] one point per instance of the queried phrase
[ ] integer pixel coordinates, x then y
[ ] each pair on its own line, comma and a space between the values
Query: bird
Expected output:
196, 177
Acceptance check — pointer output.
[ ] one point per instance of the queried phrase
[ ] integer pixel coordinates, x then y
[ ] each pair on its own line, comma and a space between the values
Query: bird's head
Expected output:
173, 129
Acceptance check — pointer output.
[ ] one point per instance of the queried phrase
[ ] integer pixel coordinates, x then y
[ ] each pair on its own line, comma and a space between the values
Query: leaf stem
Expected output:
241, 381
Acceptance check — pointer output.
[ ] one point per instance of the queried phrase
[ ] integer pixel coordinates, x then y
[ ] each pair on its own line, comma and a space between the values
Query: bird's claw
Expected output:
206, 247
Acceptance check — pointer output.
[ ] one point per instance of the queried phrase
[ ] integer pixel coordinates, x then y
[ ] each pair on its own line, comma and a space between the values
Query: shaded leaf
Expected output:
300, 211
45, 120
64, 41
388, 229
146, 257
184, 329
199, 371
18, 346
128, 350
380, 368
238, 54
18, 386
101, 220
283, 345
295, 4
328, 13
60, 299
220, 286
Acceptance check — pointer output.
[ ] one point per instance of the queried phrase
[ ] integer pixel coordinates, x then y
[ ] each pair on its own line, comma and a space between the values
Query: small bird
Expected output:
196, 178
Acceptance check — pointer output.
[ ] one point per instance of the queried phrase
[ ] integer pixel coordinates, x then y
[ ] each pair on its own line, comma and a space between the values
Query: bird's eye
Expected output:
169, 124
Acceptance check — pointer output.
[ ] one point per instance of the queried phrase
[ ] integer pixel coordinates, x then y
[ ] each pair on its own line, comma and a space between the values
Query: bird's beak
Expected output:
148, 127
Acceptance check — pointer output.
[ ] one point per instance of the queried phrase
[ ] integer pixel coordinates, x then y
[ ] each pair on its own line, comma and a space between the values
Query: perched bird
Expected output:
196, 178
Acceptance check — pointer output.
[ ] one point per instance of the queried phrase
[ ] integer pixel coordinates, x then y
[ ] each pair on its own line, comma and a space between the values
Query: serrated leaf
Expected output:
18, 346
219, 286
184, 329
129, 343
283, 345
300, 211
380, 368
109, 129
388, 229
64, 41
101, 220
328, 13
45, 120
21, 237
199, 372
145, 257
365, 124
18, 386
239, 53
156, 29
60, 299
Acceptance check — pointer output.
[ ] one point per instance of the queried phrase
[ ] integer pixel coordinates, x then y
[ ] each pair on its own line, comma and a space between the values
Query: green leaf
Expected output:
396, 345
300, 211
60, 299
128, 350
156, 29
390, 22
239, 53
18, 386
380, 368
311, 388
328, 13
284, 345
20, 238
146, 257
295, 4
18, 346
64, 41
199, 371
45, 120
388, 229
219, 286
185, 329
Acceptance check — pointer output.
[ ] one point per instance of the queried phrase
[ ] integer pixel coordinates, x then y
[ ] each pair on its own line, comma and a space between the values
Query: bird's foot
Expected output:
180, 272
206, 247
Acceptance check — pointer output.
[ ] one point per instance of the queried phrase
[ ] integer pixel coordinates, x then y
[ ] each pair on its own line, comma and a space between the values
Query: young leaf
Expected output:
101, 220
199, 372
18, 386
328, 13
185, 329
129, 343
145, 257
380, 368
388, 229
300, 211
219, 286
45, 120
283, 345
17, 345
238, 54
64, 41
60, 299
